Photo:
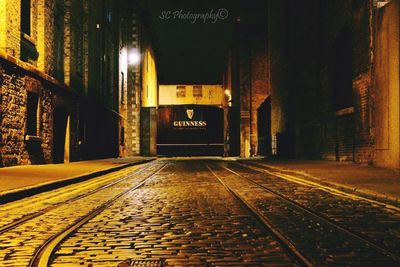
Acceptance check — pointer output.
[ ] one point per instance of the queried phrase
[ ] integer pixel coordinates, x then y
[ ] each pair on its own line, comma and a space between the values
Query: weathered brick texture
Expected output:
247, 79
306, 54
364, 141
64, 66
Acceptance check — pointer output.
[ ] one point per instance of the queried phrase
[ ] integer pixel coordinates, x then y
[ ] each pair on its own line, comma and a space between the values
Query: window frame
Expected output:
197, 91
180, 91
26, 17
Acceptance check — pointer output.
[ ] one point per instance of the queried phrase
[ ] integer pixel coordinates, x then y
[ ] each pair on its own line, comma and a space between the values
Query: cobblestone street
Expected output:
199, 133
197, 213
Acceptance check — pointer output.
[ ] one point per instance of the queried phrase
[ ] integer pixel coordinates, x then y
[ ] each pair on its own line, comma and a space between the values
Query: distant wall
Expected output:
210, 95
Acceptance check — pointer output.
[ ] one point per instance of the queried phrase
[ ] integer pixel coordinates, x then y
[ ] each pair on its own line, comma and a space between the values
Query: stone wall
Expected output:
61, 62
93, 129
318, 49
15, 85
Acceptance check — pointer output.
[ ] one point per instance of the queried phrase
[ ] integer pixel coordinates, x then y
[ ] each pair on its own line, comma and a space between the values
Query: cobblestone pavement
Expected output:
183, 217
18, 209
18, 245
322, 244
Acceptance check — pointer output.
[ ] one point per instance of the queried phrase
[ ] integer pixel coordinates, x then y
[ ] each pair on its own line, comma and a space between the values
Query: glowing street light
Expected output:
133, 57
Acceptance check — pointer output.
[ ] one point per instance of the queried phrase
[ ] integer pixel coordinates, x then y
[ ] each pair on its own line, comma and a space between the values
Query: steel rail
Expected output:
31, 216
293, 252
319, 216
42, 256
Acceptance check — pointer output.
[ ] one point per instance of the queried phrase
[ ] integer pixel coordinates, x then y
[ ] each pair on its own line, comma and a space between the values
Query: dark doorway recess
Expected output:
264, 128
60, 117
234, 131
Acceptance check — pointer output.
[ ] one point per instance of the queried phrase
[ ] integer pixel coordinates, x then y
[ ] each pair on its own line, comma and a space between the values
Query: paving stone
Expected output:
183, 217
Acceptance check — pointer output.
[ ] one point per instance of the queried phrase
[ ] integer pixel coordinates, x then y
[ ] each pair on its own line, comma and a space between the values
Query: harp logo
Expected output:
190, 113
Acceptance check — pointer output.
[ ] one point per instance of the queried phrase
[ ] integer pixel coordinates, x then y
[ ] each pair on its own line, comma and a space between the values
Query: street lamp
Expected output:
133, 57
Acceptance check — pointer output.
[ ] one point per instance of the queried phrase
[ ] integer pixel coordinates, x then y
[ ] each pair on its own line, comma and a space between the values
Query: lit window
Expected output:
197, 91
180, 91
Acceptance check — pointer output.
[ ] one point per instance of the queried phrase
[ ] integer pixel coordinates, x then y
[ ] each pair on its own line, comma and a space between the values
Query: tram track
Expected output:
294, 253
304, 212
265, 169
105, 182
360, 234
303, 235
44, 253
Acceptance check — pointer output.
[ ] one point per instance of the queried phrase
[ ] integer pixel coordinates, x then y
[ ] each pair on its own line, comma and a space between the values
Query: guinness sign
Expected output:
190, 122
190, 130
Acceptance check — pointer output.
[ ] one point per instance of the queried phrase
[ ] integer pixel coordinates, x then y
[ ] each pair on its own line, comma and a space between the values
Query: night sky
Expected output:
191, 51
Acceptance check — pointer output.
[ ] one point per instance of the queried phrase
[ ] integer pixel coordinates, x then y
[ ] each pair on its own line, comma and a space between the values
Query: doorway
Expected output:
60, 118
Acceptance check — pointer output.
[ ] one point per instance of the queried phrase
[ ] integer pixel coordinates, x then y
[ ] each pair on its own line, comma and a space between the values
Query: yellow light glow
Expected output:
134, 57
149, 80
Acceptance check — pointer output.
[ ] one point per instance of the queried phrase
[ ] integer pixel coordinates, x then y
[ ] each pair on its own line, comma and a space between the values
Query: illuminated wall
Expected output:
49, 51
149, 79
387, 95
210, 95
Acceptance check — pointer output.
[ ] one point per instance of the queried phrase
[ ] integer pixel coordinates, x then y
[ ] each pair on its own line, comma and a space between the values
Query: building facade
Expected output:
330, 82
192, 119
247, 81
336, 78
61, 89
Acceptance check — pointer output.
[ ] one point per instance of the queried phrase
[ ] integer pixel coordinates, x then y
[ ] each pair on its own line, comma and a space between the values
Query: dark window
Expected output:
26, 16
122, 141
122, 87
197, 91
32, 114
180, 91
343, 70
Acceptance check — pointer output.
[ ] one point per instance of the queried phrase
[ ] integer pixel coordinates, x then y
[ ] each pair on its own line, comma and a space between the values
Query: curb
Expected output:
347, 189
20, 193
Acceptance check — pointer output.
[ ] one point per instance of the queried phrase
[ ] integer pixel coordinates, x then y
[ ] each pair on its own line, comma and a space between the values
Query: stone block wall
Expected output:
15, 85
77, 90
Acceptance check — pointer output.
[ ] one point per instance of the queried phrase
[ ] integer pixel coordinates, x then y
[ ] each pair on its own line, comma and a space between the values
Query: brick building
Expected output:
247, 81
61, 89
331, 84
